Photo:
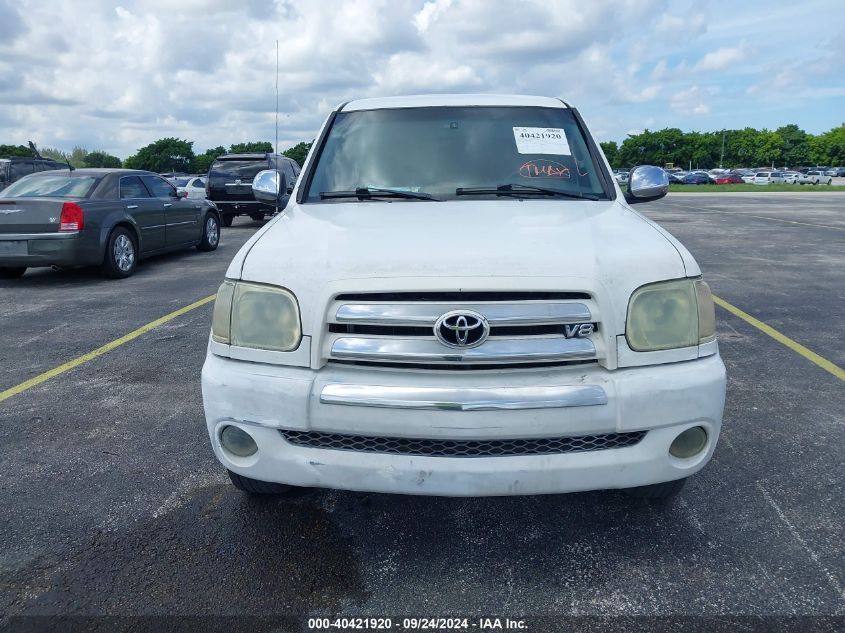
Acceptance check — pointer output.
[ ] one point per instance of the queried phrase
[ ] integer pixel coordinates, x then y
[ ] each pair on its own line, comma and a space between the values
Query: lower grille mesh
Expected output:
461, 448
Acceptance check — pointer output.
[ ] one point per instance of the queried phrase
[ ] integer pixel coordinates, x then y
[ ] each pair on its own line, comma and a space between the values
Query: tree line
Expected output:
787, 146
162, 156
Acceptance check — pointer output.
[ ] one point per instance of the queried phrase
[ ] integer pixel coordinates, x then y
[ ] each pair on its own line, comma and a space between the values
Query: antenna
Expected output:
277, 124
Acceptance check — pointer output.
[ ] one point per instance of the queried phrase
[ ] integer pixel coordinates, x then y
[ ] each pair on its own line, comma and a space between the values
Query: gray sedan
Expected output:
105, 217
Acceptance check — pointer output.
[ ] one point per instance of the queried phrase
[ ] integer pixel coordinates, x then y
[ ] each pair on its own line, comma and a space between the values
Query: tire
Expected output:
226, 219
662, 490
121, 257
12, 273
255, 487
257, 217
210, 233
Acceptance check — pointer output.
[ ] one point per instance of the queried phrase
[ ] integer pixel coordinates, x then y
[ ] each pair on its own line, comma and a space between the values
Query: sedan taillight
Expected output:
72, 218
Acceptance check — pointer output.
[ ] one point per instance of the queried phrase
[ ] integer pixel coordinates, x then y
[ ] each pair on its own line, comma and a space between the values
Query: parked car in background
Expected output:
728, 179
621, 176
193, 186
790, 177
674, 178
697, 178
768, 178
831, 172
98, 217
229, 183
840, 172
15, 168
815, 177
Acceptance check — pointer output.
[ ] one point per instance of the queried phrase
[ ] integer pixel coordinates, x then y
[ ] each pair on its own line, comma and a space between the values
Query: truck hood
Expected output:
320, 250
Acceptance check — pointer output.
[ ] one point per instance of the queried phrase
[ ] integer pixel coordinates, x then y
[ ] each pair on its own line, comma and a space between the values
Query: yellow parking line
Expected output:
76, 362
811, 356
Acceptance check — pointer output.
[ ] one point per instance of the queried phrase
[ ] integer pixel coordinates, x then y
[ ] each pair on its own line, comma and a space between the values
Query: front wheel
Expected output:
663, 490
12, 273
256, 487
121, 256
210, 233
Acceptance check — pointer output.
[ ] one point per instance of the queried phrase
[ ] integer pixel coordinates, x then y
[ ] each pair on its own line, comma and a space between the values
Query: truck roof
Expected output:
423, 101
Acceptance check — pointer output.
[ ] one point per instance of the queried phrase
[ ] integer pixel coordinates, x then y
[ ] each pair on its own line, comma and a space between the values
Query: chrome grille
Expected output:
524, 328
462, 448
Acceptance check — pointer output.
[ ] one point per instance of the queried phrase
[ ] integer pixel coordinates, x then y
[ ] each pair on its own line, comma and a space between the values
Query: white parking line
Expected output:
834, 581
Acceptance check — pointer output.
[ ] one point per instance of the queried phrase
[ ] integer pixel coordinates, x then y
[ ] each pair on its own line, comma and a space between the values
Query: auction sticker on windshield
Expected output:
541, 140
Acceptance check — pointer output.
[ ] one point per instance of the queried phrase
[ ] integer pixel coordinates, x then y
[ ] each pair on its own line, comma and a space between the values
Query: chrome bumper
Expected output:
464, 398
525, 350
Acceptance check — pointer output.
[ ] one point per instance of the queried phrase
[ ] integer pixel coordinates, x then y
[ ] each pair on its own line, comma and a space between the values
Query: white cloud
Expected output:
721, 58
677, 28
693, 101
205, 69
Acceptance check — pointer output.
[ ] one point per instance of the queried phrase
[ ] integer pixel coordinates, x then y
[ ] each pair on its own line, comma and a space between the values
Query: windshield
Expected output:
231, 170
51, 186
438, 150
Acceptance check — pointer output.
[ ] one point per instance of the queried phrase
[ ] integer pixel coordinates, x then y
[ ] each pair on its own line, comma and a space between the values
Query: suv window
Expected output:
22, 168
232, 170
159, 187
437, 150
132, 187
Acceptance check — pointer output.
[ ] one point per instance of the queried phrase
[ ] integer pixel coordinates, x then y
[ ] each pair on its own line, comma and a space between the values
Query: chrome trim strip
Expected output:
522, 350
464, 399
182, 223
15, 237
155, 226
523, 313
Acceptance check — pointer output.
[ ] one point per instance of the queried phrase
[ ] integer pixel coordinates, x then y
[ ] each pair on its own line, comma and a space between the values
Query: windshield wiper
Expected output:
516, 189
366, 193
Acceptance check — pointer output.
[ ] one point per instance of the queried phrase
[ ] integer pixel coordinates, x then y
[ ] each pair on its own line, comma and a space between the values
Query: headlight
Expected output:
670, 314
256, 315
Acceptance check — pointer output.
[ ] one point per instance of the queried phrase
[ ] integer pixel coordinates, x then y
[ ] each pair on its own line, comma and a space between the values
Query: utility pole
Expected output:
722, 157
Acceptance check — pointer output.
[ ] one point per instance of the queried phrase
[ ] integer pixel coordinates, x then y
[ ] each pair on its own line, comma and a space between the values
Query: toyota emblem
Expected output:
462, 328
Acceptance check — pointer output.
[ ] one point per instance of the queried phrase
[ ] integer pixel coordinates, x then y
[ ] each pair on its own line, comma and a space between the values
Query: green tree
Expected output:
796, 146
769, 148
611, 151
8, 151
828, 148
164, 155
256, 147
300, 151
75, 157
101, 159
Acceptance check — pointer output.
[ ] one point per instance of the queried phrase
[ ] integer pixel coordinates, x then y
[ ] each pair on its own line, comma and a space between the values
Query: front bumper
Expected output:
663, 400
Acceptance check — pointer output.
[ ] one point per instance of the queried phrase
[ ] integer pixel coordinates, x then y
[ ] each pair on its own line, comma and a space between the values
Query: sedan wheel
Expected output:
210, 233
121, 256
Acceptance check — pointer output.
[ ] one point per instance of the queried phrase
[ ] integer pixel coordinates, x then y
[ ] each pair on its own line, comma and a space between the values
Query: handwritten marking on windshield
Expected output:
543, 169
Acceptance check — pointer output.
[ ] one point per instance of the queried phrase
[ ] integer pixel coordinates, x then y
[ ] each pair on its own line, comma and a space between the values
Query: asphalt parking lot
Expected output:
115, 505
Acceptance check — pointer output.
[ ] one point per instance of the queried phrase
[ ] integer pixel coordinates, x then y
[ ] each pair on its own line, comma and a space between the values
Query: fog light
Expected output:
689, 443
238, 442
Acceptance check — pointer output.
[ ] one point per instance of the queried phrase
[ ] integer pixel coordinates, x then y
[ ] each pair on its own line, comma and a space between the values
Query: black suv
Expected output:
229, 183
12, 169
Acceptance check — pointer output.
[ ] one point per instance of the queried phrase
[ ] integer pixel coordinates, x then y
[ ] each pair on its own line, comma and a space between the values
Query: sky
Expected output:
115, 76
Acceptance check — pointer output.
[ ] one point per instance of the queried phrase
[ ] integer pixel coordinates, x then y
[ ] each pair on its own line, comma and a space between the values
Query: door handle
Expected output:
131, 206
168, 204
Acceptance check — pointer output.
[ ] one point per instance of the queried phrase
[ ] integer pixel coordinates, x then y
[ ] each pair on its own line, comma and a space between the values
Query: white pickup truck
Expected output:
460, 300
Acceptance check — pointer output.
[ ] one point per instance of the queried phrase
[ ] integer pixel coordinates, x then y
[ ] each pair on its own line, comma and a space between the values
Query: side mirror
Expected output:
269, 186
646, 183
